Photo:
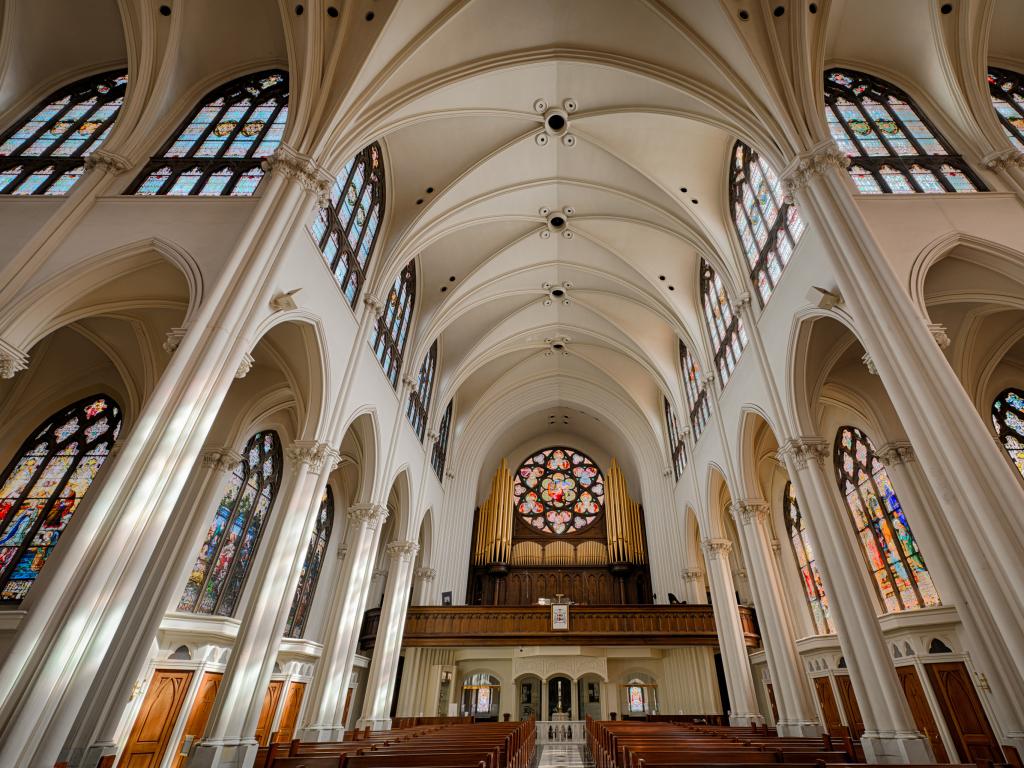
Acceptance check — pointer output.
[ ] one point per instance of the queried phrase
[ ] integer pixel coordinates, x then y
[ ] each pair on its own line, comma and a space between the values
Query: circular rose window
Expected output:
559, 491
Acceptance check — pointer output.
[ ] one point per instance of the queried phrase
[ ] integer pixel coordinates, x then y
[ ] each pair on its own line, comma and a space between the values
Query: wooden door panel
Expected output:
922, 713
348, 705
963, 713
829, 708
159, 712
854, 721
200, 714
290, 712
266, 721
771, 702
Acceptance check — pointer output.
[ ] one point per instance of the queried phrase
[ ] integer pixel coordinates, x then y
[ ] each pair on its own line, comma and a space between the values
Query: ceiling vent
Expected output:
557, 346
557, 293
557, 222
556, 122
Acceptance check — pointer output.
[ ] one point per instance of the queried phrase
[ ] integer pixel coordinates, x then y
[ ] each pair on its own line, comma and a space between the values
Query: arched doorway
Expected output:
528, 696
481, 697
560, 698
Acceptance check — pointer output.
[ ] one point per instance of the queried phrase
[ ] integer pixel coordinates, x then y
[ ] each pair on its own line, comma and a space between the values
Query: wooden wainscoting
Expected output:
151, 733
200, 714
854, 721
964, 715
266, 721
829, 707
922, 713
290, 711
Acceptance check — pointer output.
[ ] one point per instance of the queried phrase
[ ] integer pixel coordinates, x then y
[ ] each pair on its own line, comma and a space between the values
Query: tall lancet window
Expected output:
891, 144
346, 230
44, 484
676, 443
392, 330
311, 566
696, 391
440, 453
44, 152
419, 398
1008, 417
814, 590
768, 227
728, 336
892, 555
225, 556
219, 148
1007, 89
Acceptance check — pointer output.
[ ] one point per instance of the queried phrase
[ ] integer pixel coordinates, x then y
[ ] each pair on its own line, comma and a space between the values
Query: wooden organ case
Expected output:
603, 563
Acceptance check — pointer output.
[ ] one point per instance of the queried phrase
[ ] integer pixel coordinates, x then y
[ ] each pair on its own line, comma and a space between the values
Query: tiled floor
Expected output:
564, 756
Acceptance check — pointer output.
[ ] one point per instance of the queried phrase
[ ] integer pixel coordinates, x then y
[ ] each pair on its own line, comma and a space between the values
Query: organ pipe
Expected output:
625, 528
494, 523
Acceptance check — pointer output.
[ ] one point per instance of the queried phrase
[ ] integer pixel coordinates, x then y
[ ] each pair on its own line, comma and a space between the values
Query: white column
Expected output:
730, 634
424, 589
323, 714
229, 741
689, 685
797, 716
890, 733
696, 594
384, 665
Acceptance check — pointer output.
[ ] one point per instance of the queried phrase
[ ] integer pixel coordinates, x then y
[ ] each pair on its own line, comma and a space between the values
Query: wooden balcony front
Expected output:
475, 625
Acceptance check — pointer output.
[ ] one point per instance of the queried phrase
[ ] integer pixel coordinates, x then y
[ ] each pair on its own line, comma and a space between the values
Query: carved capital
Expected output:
302, 169
751, 511
668, 471
432, 436
370, 515
12, 360
313, 454
802, 450
425, 574
716, 547
220, 459
798, 174
1004, 160
107, 162
173, 340
403, 551
938, 332
895, 453
342, 551
374, 305
692, 574
869, 363
409, 382
244, 366
742, 301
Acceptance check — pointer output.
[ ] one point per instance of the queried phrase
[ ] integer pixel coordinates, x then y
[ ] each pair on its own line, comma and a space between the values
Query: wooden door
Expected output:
266, 721
965, 717
771, 702
846, 695
200, 714
159, 712
348, 705
290, 712
829, 707
922, 713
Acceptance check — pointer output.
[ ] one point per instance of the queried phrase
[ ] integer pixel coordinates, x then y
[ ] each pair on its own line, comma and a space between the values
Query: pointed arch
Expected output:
392, 331
305, 590
728, 336
419, 398
814, 590
696, 391
1008, 419
1007, 90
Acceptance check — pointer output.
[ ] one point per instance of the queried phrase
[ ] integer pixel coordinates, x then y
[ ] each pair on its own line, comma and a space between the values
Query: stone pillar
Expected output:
326, 707
797, 715
689, 685
229, 741
574, 700
383, 668
424, 589
730, 634
696, 594
890, 733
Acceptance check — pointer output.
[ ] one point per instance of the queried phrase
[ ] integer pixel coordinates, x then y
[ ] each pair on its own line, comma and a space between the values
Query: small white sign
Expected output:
559, 617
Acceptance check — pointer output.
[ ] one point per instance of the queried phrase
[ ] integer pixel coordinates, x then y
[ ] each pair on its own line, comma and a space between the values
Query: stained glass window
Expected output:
311, 566
1008, 418
419, 398
675, 441
892, 146
696, 391
635, 695
814, 590
728, 336
44, 484
346, 230
1007, 89
392, 331
440, 452
559, 490
215, 584
893, 557
768, 227
219, 148
44, 153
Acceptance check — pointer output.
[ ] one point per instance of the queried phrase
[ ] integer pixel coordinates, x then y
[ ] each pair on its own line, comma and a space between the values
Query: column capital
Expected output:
303, 169
370, 515
432, 436
805, 166
173, 340
107, 162
12, 360
692, 574
938, 332
220, 459
803, 450
244, 366
1003, 160
409, 382
373, 304
403, 551
425, 574
751, 511
869, 363
895, 453
314, 454
716, 547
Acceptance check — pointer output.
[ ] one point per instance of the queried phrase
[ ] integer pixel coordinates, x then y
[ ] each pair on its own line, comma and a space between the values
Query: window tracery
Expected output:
305, 590
44, 153
392, 329
559, 491
346, 229
419, 398
814, 590
676, 443
1008, 418
696, 391
44, 484
1007, 89
728, 336
219, 148
439, 454
893, 147
225, 556
893, 557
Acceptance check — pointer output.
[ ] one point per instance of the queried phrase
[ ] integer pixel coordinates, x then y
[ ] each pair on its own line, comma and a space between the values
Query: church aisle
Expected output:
564, 756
